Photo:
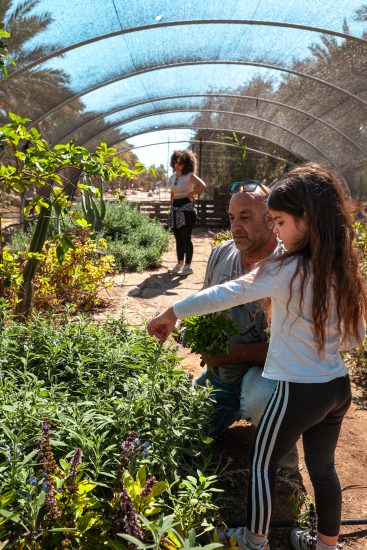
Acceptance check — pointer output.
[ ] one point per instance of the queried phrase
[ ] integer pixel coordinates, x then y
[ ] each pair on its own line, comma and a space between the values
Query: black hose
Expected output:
294, 523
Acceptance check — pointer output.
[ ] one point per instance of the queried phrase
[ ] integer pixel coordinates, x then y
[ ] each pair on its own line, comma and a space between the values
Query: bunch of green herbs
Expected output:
210, 333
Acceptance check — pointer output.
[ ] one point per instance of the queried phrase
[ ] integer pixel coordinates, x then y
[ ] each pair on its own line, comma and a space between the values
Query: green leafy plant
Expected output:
4, 59
95, 384
193, 502
135, 241
66, 275
208, 333
35, 164
221, 236
93, 213
164, 536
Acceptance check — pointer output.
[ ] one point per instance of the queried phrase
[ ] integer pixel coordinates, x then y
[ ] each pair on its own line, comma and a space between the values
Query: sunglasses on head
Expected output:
248, 186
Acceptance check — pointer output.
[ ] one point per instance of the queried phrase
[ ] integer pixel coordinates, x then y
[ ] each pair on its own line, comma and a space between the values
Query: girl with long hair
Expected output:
184, 186
318, 309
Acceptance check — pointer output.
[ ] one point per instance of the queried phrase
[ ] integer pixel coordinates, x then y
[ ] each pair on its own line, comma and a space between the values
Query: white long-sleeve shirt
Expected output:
293, 355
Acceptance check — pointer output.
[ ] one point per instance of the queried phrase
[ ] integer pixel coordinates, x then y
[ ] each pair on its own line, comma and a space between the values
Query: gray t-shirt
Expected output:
225, 264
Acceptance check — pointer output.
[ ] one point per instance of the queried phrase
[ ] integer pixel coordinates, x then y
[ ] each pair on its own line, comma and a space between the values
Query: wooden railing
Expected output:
210, 213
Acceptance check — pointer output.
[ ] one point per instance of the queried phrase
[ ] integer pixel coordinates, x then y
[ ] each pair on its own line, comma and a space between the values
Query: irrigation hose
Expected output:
294, 523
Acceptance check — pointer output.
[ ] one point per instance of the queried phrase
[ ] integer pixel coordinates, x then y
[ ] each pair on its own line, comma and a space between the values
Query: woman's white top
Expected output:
293, 355
183, 185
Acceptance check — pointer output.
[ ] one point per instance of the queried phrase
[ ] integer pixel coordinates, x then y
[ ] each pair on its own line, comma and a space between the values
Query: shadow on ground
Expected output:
157, 284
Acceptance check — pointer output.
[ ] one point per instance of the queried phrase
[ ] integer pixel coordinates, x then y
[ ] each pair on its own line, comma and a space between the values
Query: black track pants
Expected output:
316, 411
184, 247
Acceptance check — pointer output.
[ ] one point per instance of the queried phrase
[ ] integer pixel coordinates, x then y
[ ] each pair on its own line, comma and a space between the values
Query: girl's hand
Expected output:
192, 196
162, 326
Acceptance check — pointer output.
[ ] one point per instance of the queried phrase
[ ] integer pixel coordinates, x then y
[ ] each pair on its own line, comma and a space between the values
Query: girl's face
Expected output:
289, 229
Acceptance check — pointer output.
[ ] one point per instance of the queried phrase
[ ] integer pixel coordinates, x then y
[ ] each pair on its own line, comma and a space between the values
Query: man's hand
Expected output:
162, 326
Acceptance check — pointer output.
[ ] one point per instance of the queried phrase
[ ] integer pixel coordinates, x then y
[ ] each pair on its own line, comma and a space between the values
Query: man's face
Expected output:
249, 221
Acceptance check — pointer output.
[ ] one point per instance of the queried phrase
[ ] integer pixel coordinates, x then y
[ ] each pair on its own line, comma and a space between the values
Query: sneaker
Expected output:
176, 269
239, 534
186, 270
303, 540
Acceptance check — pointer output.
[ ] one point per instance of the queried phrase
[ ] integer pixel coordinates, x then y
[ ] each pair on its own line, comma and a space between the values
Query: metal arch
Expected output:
214, 96
189, 127
193, 63
133, 119
207, 141
143, 28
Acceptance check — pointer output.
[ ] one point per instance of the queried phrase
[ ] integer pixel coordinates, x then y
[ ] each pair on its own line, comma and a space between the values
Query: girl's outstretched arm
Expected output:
162, 325
216, 298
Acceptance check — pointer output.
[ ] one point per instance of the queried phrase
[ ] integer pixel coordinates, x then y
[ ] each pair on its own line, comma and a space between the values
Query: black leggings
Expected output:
184, 245
316, 411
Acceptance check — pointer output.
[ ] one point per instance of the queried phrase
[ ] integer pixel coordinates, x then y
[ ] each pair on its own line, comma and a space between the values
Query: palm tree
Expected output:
31, 93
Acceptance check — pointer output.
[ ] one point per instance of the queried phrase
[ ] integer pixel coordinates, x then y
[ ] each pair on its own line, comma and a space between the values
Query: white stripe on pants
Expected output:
265, 440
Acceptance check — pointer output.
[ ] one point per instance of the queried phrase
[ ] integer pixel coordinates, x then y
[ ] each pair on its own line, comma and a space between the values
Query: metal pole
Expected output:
200, 152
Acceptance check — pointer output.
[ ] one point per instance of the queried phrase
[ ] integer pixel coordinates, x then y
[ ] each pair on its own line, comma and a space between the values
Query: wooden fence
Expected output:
211, 213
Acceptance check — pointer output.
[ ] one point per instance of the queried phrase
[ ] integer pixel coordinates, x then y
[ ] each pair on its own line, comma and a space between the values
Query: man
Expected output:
241, 391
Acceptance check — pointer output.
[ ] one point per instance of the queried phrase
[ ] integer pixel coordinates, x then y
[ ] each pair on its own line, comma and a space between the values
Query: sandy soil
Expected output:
144, 294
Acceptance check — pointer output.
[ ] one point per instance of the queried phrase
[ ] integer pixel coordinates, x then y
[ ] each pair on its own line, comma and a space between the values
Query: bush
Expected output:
76, 281
134, 239
89, 413
121, 220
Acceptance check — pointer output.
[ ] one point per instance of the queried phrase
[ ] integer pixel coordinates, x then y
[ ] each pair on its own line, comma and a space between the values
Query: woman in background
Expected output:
184, 186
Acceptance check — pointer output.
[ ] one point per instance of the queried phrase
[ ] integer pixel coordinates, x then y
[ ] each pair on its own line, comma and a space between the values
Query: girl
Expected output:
318, 307
185, 185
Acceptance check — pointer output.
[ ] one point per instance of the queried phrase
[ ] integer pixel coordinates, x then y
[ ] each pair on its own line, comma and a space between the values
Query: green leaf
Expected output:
29, 456
138, 543
18, 119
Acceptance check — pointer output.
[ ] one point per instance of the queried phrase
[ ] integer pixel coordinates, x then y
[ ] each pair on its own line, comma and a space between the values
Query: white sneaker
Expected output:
176, 269
239, 533
186, 270
303, 540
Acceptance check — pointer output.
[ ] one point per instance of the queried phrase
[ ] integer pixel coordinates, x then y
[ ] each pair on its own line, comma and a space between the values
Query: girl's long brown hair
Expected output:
313, 193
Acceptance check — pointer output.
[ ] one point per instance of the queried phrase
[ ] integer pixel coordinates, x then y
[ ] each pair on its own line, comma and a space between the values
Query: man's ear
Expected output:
270, 221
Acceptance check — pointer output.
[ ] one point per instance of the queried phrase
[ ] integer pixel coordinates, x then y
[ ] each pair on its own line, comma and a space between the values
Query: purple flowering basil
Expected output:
130, 518
127, 448
51, 504
46, 427
149, 484
76, 460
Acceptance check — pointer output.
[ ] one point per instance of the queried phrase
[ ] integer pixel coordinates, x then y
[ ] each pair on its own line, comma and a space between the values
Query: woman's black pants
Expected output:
184, 247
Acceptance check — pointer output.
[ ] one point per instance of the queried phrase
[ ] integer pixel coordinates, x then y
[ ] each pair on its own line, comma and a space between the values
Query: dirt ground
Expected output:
144, 294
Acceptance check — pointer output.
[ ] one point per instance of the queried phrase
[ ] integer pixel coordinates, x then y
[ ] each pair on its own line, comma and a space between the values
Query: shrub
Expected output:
134, 239
122, 219
70, 393
76, 281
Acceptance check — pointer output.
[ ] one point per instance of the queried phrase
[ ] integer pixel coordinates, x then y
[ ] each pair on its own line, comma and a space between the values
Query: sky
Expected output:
135, 55
160, 153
